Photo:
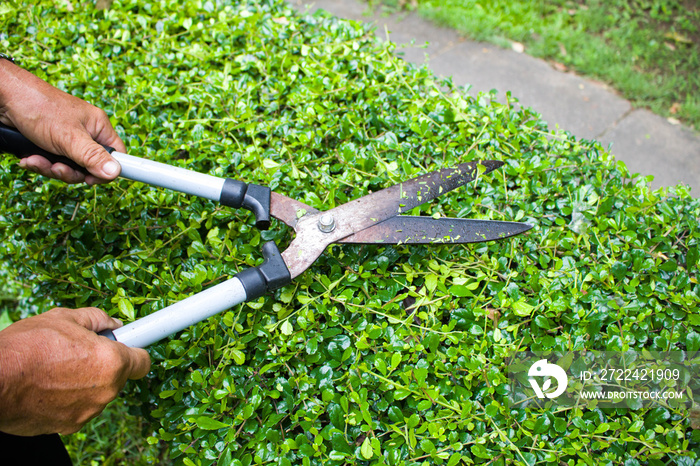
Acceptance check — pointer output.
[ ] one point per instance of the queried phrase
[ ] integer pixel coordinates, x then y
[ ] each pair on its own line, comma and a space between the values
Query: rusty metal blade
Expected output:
365, 212
388, 202
406, 229
288, 210
375, 208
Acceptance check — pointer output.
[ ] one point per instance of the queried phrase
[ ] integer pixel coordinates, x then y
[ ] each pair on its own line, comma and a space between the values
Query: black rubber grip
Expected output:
108, 334
268, 276
233, 193
253, 197
15, 143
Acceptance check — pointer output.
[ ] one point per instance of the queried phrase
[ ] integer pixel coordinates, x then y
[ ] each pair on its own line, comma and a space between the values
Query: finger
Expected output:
93, 319
39, 164
66, 174
140, 363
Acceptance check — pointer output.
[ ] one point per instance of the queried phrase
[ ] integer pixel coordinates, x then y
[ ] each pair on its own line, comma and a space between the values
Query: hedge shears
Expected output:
373, 219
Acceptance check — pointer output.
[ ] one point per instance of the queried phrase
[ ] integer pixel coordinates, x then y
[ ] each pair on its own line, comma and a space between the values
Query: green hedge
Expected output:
376, 355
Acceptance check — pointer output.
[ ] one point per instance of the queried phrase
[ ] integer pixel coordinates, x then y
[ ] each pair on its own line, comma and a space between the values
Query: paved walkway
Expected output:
647, 143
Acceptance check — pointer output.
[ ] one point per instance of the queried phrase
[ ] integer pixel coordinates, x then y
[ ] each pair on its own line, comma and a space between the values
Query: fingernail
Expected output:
111, 168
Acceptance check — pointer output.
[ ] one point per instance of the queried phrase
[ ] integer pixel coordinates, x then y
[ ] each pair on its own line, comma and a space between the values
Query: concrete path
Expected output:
647, 143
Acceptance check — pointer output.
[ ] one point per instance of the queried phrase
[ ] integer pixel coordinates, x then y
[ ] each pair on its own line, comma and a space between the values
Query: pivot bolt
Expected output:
326, 223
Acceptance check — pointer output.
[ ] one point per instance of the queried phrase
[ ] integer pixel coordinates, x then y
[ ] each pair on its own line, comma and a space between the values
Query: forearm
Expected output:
36, 108
20, 94
8, 80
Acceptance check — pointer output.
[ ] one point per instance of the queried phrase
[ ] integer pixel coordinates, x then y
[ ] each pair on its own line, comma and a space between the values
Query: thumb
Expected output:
95, 158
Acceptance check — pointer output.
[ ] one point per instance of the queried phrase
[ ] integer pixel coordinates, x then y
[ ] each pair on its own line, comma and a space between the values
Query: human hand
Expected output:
59, 123
56, 373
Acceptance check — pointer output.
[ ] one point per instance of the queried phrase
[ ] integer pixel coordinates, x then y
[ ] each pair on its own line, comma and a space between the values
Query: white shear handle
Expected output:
154, 327
246, 285
229, 192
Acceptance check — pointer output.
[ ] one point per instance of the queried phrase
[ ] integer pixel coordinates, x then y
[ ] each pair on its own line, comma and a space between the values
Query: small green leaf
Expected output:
395, 414
542, 425
366, 449
542, 322
5, 320
479, 451
431, 281
312, 346
303, 299
427, 445
395, 360
380, 365
286, 328
454, 459
126, 308
167, 393
635, 426
460, 291
619, 270
497, 336
692, 341
656, 416
423, 405
208, 423
238, 356
287, 295
604, 427
691, 257
668, 266
522, 309
270, 164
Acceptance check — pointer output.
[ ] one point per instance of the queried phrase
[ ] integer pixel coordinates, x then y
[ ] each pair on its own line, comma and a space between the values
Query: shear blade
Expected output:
377, 207
368, 211
427, 230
